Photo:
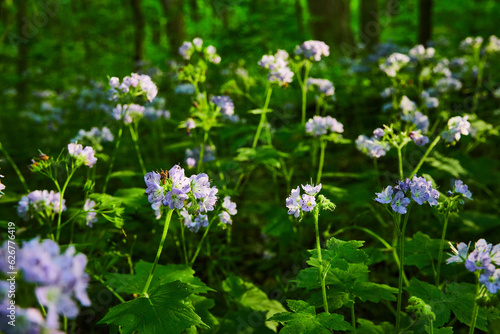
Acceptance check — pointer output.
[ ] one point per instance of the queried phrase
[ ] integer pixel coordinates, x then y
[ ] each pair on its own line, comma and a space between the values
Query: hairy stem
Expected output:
201, 242
263, 116
321, 274
321, 160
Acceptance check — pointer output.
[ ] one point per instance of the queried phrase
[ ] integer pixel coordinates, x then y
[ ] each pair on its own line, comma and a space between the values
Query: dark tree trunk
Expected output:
139, 33
176, 30
331, 22
22, 54
424, 21
194, 10
369, 26
299, 12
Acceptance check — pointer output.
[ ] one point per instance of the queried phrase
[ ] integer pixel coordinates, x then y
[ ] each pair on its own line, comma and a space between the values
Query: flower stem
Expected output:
202, 151
321, 160
353, 318
475, 310
135, 139
61, 198
201, 242
14, 166
400, 159
183, 243
263, 117
303, 86
113, 157
441, 244
422, 160
321, 275
401, 264
160, 248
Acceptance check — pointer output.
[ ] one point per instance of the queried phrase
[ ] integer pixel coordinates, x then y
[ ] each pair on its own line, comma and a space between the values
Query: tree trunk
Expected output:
424, 21
299, 12
369, 26
139, 33
331, 22
22, 54
176, 30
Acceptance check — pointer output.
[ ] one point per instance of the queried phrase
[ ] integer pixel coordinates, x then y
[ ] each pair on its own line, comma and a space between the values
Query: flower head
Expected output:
385, 197
462, 188
312, 50
399, 203
459, 253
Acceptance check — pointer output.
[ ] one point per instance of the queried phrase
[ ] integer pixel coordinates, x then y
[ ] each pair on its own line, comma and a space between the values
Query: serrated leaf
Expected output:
461, 299
421, 250
164, 311
443, 330
374, 292
432, 296
134, 284
202, 305
303, 319
248, 296
347, 250
446, 164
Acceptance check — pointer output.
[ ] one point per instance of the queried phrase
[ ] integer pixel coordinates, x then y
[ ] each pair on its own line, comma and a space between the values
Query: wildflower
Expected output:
371, 146
175, 199
95, 136
185, 89
114, 82
313, 50
421, 53
448, 84
420, 120
2, 186
471, 43
190, 124
493, 45
198, 42
41, 202
188, 221
190, 162
387, 92
491, 282
282, 76
318, 125
457, 126
201, 220
225, 218
378, 133
418, 138
460, 253
394, 63
91, 215
82, 155
399, 203
462, 188
385, 197
186, 50
279, 72
307, 203
200, 185
193, 155
225, 104
430, 102
229, 206
292, 202
407, 105
141, 83
59, 277
208, 202
480, 257
128, 113
324, 86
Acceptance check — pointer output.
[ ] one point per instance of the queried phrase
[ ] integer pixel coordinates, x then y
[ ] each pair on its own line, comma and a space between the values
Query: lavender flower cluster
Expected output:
95, 136
485, 259
175, 190
82, 155
128, 113
225, 104
372, 146
187, 49
41, 202
59, 277
418, 189
421, 53
277, 64
297, 204
457, 126
318, 126
193, 155
324, 86
312, 50
138, 84
91, 214
394, 63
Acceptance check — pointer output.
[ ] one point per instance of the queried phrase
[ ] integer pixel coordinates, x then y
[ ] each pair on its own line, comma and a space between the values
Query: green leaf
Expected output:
432, 296
461, 299
374, 292
247, 296
446, 164
164, 311
202, 305
125, 173
368, 327
443, 330
346, 250
133, 284
421, 250
303, 319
